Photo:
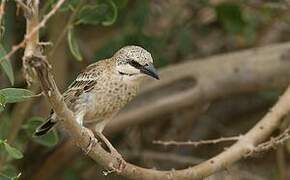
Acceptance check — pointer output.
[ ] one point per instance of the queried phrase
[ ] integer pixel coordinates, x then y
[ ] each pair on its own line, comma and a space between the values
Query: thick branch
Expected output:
263, 68
244, 146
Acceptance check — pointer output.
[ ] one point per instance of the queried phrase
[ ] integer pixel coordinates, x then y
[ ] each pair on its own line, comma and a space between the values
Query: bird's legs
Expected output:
108, 144
113, 151
98, 129
92, 142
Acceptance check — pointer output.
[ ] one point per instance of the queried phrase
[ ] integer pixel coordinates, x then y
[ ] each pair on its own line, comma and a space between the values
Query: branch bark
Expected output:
244, 146
246, 71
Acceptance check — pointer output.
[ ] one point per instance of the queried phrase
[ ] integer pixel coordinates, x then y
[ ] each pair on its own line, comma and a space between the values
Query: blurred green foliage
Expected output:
236, 20
104, 13
6, 66
231, 17
12, 151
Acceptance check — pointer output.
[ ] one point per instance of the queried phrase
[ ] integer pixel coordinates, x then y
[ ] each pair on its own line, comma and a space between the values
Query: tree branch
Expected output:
196, 143
245, 71
244, 146
32, 33
2, 10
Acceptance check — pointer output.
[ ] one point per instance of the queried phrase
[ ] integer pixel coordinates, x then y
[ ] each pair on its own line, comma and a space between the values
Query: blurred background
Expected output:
175, 32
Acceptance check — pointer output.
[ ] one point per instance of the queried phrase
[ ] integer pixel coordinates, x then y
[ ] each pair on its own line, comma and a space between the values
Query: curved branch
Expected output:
244, 146
238, 72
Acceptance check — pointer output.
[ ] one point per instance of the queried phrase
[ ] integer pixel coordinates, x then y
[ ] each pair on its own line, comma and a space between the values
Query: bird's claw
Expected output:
92, 142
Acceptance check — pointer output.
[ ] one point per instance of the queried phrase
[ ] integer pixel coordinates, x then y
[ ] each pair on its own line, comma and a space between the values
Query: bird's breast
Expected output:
109, 99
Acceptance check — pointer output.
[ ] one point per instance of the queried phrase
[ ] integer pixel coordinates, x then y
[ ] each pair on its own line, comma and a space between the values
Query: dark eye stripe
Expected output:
135, 64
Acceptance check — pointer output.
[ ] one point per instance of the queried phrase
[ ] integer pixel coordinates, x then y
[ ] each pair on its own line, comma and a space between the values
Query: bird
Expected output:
103, 88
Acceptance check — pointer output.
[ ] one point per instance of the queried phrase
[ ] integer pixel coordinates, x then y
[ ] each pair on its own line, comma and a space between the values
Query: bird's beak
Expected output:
150, 70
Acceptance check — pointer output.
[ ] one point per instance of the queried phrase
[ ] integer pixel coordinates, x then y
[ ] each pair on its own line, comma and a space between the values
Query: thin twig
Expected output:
24, 7
273, 142
35, 30
196, 143
2, 10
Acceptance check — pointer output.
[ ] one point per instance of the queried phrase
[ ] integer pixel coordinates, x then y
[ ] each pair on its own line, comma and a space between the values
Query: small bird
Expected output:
104, 88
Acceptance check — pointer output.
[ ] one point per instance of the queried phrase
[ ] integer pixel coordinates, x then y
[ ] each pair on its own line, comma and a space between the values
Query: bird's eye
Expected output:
135, 64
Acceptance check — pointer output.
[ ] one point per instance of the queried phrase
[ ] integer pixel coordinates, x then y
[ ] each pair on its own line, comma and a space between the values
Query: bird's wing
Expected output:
84, 82
86, 77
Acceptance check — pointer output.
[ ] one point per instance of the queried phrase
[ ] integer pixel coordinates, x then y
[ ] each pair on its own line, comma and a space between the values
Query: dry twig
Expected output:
24, 7
197, 143
2, 10
34, 31
274, 142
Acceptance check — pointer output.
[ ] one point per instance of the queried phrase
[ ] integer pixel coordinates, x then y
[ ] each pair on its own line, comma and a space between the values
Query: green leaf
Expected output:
92, 14
50, 139
6, 65
73, 45
111, 15
230, 16
13, 152
2, 102
9, 172
13, 95
104, 13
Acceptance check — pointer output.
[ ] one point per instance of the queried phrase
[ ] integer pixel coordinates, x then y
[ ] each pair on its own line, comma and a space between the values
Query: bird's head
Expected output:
134, 62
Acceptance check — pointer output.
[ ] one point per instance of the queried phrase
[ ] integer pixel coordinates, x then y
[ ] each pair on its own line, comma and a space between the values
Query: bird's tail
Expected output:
46, 126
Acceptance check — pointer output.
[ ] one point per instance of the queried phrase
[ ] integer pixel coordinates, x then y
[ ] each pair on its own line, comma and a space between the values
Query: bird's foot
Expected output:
92, 142
114, 153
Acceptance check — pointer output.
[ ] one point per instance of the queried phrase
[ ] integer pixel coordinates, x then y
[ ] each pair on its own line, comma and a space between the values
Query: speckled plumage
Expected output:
99, 92
106, 86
